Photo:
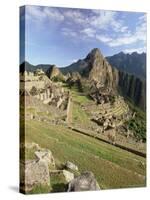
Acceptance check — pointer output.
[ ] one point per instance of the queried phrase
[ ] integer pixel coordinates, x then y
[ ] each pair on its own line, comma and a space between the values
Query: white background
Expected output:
9, 98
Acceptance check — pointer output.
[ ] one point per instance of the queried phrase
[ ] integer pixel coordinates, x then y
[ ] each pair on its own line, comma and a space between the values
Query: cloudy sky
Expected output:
63, 35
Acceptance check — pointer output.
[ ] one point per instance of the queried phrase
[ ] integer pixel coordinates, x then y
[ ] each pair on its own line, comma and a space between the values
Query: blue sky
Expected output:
63, 35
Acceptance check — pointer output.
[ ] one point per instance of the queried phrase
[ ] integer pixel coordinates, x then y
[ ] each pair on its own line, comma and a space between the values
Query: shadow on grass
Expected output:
59, 187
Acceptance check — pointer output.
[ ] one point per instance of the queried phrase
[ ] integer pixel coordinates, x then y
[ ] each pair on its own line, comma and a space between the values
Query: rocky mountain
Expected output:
26, 66
133, 63
95, 67
100, 75
134, 88
53, 71
78, 66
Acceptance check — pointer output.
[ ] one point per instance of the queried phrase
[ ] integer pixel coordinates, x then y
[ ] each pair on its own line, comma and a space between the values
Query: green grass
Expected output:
138, 124
113, 167
39, 189
58, 183
79, 116
78, 97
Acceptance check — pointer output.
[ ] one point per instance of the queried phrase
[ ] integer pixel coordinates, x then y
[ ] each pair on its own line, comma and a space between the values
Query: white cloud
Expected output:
102, 19
103, 26
89, 32
103, 38
105, 20
73, 61
53, 14
131, 37
69, 32
75, 16
138, 50
34, 13
38, 14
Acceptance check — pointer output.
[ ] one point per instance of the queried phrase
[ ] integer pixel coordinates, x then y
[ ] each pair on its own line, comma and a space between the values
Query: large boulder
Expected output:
34, 173
68, 176
85, 182
32, 146
71, 166
46, 156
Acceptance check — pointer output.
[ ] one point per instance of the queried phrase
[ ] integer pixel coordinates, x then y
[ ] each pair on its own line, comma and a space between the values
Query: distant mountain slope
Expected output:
26, 66
96, 69
134, 63
131, 63
78, 66
128, 77
133, 87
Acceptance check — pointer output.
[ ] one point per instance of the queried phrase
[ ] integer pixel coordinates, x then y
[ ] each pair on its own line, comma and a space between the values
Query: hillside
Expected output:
96, 67
84, 118
26, 66
133, 63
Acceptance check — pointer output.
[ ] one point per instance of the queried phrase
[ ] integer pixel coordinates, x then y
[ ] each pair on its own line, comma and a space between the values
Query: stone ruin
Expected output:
106, 122
101, 94
38, 172
38, 85
53, 95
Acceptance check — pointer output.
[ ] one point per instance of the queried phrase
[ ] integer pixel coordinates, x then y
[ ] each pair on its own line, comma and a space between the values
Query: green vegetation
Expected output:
113, 167
138, 127
138, 123
58, 79
58, 183
40, 189
79, 116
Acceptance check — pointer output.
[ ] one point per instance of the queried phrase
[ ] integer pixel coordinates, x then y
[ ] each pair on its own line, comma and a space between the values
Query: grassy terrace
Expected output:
113, 167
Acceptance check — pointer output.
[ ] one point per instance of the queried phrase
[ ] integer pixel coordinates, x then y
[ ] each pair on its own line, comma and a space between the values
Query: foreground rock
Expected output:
71, 166
46, 156
85, 182
68, 176
34, 173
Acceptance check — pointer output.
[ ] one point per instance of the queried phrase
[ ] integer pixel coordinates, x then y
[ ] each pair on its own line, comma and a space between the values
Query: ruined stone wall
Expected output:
69, 111
29, 84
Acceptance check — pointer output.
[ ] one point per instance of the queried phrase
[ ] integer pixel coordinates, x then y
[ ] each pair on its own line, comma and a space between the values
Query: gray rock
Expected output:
85, 182
68, 176
72, 166
46, 156
34, 173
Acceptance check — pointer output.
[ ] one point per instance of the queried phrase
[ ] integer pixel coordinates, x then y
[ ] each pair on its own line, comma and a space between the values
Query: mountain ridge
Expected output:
134, 63
95, 67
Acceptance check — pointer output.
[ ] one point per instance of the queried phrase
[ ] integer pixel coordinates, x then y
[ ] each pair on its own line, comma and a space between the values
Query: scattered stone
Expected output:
46, 156
34, 173
71, 166
32, 146
85, 182
68, 175
111, 134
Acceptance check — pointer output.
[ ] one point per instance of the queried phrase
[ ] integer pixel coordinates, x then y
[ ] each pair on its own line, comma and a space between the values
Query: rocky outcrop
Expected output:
98, 68
69, 176
102, 76
133, 88
85, 182
45, 155
54, 72
134, 63
71, 166
34, 173
39, 173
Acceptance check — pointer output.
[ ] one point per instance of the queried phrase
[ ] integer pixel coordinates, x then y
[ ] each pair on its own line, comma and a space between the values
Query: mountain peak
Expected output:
94, 53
